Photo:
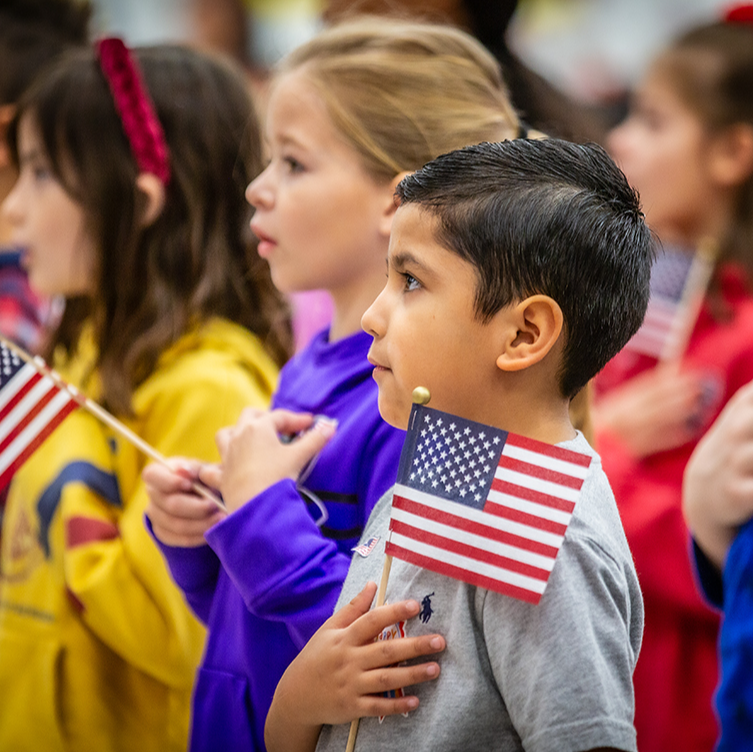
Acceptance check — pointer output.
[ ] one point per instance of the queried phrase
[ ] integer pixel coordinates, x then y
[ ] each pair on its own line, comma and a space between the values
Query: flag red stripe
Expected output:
11, 404
467, 550
537, 471
570, 456
37, 440
28, 417
509, 513
489, 532
467, 576
532, 495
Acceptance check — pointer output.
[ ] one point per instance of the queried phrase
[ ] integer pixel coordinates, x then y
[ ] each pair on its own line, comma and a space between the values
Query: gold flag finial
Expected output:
421, 395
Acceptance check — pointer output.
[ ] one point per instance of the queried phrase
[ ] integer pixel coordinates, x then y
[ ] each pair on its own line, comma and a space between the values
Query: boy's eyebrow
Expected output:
404, 258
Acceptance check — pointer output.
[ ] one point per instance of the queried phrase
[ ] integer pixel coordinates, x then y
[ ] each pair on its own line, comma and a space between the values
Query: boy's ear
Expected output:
390, 206
6, 115
732, 155
532, 327
153, 191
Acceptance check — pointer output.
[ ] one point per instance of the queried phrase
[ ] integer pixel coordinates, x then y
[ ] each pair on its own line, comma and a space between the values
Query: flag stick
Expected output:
699, 276
421, 395
107, 418
351, 746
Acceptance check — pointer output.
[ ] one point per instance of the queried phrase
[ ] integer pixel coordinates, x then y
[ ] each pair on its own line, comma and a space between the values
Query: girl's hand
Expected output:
254, 457
179, 516
718, 480
341, 672
657, 410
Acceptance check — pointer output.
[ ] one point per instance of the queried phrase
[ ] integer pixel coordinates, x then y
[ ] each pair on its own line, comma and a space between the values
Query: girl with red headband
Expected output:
130, 207
687, 146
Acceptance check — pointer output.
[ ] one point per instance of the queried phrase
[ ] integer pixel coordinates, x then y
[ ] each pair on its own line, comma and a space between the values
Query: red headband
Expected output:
739, 14
136, 110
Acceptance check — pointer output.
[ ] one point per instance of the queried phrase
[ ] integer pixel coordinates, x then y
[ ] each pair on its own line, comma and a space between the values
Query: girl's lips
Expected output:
266, 244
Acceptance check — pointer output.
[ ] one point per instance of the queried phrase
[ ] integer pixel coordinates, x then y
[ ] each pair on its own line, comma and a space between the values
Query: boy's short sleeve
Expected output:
564, 667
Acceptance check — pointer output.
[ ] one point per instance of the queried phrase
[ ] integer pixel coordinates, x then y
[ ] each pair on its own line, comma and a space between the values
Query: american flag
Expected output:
482, 505
31, 407
668, 306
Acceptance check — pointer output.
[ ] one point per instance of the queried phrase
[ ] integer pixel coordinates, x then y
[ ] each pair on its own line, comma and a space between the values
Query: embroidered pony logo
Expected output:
426, 611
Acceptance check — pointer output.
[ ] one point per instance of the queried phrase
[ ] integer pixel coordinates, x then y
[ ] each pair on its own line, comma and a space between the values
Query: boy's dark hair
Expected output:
32, 34
549, 217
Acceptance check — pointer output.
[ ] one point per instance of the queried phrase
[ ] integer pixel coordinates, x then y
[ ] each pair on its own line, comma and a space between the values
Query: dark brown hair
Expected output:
198, 259
711, 68
32, 34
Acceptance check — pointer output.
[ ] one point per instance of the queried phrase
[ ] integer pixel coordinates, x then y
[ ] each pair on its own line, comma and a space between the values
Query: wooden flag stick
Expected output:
699, 276
421, 395
106, 418
351, 746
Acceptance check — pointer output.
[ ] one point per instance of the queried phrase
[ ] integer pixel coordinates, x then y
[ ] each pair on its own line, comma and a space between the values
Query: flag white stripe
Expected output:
545, 461
25, 406
443, 557
530, 508
30, 432
537, 484
16, 384
471, 539
480, 517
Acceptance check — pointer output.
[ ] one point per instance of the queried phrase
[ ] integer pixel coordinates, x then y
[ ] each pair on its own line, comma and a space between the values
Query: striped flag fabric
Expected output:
482, 505
31, 408
667, 306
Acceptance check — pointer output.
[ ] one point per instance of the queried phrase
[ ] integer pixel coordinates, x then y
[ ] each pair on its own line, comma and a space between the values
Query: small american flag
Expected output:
482, 505
367, 547
672, 304
31, 407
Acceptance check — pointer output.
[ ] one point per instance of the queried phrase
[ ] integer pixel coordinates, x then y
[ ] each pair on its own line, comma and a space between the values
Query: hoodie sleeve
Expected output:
282, 565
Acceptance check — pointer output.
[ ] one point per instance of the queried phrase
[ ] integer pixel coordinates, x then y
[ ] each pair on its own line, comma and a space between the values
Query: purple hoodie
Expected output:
269, 576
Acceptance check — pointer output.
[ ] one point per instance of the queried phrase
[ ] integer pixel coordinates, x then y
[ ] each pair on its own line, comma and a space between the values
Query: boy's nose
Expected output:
374, 320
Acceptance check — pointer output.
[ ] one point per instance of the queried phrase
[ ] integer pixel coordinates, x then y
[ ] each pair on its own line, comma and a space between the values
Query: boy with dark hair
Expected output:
515, 271
32, 34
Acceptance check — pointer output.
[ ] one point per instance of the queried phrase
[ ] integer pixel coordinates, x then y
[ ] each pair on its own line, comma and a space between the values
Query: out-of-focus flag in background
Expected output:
482, 505
679, 279
31, 407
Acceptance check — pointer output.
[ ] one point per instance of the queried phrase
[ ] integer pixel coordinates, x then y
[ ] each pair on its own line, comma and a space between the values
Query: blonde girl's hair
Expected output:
404, 92
711, 70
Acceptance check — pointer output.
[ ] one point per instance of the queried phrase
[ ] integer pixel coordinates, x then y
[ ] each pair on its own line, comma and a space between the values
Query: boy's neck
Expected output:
524, 403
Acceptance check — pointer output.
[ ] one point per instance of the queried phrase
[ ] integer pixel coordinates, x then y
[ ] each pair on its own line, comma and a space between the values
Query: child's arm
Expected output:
718, 480
657, 410
341, 671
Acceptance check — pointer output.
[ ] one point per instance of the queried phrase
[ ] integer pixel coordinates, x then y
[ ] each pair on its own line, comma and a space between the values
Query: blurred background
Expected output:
589, 50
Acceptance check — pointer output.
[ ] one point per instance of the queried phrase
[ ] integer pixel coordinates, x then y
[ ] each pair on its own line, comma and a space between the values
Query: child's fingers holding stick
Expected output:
179, 516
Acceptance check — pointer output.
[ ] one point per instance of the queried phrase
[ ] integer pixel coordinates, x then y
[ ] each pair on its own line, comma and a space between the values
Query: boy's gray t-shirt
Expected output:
517, 676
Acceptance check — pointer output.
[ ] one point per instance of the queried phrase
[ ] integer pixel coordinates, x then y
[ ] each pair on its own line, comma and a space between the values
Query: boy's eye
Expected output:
411, 283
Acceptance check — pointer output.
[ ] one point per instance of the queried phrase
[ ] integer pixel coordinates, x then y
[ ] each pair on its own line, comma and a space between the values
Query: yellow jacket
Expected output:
98, 649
